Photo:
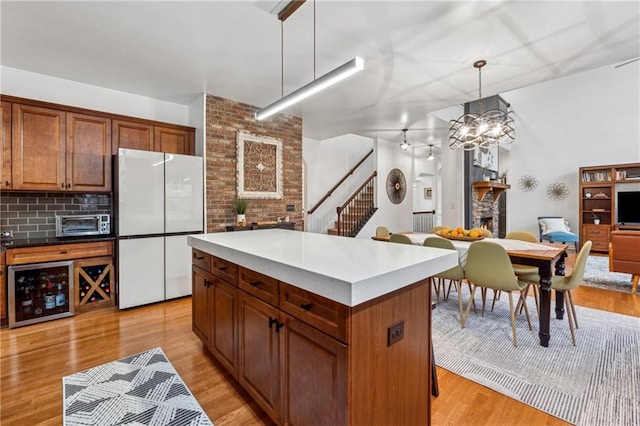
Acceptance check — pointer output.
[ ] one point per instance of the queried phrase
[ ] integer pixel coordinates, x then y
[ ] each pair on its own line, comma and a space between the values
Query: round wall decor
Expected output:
557, 191
527, 183
396, 186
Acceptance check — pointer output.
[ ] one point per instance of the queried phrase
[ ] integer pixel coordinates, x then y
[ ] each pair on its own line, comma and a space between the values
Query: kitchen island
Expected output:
320, 329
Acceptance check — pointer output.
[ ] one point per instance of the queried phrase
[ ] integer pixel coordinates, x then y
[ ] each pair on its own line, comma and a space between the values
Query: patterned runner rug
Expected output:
142, 389
594, 383
597, 274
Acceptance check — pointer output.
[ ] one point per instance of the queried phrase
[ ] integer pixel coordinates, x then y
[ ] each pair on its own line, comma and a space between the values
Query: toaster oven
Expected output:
86, 224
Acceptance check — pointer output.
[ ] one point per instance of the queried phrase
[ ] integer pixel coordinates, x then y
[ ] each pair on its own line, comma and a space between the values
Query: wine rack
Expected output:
94, 283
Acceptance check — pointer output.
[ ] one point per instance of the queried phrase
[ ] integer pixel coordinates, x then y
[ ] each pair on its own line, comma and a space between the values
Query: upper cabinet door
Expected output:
88, 153
132, 135
5, 146
38, 148
173, 141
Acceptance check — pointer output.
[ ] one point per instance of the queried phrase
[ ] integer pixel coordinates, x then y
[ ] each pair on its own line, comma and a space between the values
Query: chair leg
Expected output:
496, 296
484, 298
434, 281
458, 284
475, 311
466, 313
513, 320
634, 286
570, 318
523, 299
573, 307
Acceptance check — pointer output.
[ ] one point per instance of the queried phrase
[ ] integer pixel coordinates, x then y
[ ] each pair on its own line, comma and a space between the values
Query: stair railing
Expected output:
423, 221
337, 185
358, 209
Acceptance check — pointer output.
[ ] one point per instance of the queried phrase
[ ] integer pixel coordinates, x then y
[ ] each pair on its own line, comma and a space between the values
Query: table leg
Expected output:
544, 270
560, 294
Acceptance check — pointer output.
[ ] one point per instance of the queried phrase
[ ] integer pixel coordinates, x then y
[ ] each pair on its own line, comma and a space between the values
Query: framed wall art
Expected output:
487, 158
259, 166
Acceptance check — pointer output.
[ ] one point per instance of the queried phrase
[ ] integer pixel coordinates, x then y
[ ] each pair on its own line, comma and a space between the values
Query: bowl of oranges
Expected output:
460, 233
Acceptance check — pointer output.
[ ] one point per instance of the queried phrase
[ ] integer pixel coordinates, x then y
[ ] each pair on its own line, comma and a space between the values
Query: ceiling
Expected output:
418, 54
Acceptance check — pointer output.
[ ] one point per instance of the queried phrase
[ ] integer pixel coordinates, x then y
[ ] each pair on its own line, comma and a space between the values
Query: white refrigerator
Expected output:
160, 202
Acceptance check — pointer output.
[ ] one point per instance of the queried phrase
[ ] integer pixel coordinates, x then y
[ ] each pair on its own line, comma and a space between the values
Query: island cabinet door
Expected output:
314, 376
223, 328
259, 330
201, 305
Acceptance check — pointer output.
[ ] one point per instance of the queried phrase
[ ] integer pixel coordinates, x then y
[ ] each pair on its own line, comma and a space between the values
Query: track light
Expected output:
321, 83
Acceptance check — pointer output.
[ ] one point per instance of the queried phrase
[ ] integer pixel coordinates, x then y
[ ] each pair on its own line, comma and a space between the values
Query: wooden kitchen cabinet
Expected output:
54, 253
88, 156
3, 287
94, 282
599, 235
201, 305
38, 148
5, 146
259, 347
214, 306
132, 135
54, 150
174, 141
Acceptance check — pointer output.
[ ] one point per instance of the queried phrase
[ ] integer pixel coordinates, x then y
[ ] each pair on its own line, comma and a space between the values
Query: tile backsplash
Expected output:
33, 214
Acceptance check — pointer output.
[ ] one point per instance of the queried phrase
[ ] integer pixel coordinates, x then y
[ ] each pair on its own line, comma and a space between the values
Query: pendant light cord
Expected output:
314, 40
282, 59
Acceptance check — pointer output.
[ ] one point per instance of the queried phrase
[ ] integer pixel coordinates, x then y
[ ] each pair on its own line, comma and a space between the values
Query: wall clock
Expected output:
396, 186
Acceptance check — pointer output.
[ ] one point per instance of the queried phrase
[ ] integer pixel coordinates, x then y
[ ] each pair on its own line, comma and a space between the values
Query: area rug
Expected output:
596, 274
594, 383
142, 389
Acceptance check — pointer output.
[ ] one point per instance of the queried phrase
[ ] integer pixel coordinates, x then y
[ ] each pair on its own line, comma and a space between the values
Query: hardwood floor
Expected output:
35, 358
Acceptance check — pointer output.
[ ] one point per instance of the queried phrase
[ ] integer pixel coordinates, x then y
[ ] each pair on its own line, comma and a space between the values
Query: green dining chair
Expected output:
400, 238
521, 270
455, 275
568, 283
489, 267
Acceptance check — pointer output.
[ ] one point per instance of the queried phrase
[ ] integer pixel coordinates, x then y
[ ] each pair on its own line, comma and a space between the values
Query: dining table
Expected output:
547, 257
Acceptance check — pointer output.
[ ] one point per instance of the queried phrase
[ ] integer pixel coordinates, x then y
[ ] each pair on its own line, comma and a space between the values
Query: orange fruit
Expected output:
460, 230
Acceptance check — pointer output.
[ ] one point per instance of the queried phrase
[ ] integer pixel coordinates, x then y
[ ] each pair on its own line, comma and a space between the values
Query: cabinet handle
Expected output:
199, 257
279, 325
62, 185
254, 284
272, 321
207, 283
68, 185
306, 306
63, 252
6, 182
222, 268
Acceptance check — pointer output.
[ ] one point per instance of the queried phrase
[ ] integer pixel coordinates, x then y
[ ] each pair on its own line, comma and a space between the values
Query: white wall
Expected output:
25, 84
590, 118
329, 160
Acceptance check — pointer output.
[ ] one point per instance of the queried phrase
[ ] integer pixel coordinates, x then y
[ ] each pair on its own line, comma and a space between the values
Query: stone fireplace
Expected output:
485, 213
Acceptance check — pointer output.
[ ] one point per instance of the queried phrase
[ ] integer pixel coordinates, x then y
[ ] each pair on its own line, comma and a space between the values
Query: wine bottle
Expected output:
60, 297
49, 297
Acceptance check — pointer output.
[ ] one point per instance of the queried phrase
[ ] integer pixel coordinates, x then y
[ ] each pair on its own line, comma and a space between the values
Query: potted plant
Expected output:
596, 219
241, 209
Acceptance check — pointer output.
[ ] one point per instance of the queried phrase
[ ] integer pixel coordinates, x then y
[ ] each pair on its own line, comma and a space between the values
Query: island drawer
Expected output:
224, 269
259, 285
201, 259
326, 315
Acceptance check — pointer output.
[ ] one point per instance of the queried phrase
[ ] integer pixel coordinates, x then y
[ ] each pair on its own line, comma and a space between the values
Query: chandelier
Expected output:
484, 128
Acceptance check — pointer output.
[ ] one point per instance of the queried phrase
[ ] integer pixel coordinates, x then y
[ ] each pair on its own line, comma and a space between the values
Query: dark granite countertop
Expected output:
49, 241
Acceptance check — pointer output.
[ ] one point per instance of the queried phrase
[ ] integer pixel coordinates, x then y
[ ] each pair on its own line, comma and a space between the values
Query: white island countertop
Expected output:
346, 270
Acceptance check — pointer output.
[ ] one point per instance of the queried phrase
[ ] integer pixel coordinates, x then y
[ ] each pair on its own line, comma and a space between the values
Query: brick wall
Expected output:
33, 214
224, 118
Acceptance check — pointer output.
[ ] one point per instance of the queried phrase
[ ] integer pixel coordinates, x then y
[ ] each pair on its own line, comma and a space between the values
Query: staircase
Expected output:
356, 212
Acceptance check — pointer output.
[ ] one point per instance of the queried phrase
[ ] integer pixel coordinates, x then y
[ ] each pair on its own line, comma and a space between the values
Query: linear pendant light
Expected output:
332, 77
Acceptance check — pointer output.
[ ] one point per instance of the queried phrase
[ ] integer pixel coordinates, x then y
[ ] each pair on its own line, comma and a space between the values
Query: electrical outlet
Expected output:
395, 333
291, 208
7, 234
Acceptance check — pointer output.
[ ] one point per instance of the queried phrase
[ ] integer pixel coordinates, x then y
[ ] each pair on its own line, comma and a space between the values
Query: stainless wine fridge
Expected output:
40, 292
